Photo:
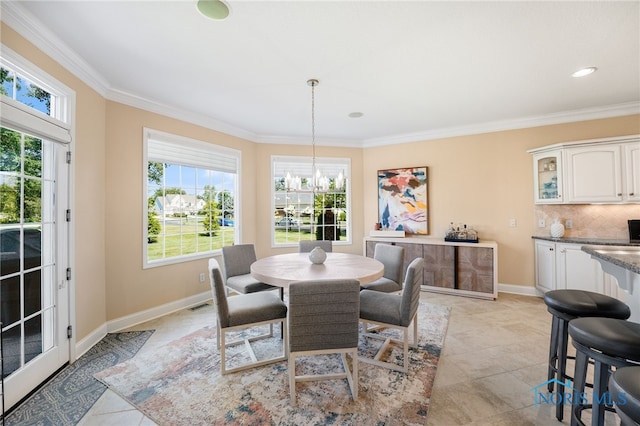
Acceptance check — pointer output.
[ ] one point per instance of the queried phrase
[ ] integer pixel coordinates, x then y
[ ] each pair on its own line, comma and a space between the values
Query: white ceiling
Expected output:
415, 69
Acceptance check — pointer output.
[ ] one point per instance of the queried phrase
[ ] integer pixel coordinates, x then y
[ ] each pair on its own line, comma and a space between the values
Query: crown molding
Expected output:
306, 140
221, 126
34, 31
178, 113
595, 113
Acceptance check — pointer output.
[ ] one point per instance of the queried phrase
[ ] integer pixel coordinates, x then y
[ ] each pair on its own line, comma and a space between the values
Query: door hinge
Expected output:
68, 274
68, 157
69, 332
68, 215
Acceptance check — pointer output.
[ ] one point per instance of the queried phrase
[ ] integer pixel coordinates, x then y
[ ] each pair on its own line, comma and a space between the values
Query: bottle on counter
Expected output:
451, 232
472, 234
463, 233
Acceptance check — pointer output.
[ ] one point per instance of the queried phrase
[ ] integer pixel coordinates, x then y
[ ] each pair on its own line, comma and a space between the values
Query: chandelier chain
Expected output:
313, 84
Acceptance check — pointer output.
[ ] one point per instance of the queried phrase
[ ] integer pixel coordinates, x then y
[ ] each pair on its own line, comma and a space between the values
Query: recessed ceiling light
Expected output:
214, 9
584, 71
356, 114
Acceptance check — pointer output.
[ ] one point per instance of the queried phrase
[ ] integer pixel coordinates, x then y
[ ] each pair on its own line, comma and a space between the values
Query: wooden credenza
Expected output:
466, 269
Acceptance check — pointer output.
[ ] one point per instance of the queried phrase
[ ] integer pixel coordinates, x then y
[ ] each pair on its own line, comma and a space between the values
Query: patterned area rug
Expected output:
181, 384
66, 398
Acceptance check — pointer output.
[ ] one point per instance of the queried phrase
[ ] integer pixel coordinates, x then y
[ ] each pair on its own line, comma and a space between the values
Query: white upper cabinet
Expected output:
594, 174
596, 171
547, 177
632, 171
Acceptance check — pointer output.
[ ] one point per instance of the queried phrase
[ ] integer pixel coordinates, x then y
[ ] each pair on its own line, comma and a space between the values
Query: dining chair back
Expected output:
308, 245
323, 319
241, 312
387, 310
392, 257
237, 260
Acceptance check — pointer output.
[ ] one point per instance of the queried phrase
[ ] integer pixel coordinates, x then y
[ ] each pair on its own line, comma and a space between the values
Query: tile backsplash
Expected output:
589, 220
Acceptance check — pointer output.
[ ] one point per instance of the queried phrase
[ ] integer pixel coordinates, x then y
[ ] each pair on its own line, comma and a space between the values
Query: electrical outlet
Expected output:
513, 223
568, 224
541, 223
202, 277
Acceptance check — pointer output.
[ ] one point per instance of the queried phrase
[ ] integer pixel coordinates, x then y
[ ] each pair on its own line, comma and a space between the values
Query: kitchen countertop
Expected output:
622, 256
589, 241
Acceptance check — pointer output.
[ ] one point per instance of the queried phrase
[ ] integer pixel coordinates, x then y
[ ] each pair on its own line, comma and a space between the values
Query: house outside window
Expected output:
302, 213
191, 188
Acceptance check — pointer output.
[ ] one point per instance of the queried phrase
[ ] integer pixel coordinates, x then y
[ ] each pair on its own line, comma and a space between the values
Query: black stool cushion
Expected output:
626, 381
610, 336
580, 303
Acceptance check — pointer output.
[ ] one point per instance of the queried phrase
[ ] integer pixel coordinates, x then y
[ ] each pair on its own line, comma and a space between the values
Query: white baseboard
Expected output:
139, 317
156, 312
91, 339
519, 289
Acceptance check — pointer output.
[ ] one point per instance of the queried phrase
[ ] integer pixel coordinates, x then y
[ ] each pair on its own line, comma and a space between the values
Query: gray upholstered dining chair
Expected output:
393, 311
307, 246
323, 319
245, 311
392, 257
237, 260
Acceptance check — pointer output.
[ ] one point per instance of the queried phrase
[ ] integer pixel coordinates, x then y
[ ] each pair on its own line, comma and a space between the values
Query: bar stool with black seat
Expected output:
609, 343
566, 305
624, 385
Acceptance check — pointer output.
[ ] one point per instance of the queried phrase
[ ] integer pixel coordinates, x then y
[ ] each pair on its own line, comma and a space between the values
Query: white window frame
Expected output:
203, 154
58, 126
302, 166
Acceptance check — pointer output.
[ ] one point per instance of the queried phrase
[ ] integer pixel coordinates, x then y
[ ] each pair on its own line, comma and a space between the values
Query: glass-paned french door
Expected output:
34, 305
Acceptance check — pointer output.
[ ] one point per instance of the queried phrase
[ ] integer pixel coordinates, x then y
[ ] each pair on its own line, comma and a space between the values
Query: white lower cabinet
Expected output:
576, 269
545, 265
566, 266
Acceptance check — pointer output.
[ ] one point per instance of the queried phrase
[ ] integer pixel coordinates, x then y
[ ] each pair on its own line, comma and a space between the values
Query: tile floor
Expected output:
494, 354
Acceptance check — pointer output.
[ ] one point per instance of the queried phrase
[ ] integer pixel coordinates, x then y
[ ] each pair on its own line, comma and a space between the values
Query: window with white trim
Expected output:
304, 212
31, 104
191, 188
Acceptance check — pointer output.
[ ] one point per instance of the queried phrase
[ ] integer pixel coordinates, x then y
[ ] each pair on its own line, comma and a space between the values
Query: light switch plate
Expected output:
568, 224
541, 223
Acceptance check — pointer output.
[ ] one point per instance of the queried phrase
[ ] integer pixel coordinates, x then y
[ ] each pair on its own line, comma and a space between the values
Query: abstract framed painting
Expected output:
402, 200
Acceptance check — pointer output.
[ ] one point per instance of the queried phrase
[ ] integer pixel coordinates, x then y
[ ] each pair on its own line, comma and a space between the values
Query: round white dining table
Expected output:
282, 269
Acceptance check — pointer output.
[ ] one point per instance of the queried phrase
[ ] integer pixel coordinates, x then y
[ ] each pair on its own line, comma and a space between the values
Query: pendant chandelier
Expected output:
318, 181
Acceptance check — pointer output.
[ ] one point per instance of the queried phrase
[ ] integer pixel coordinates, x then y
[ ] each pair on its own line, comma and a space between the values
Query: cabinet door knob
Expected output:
631, 194
550, 248
619, 194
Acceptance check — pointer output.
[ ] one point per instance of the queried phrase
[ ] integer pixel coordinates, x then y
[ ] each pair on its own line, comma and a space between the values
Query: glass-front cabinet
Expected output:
547, 175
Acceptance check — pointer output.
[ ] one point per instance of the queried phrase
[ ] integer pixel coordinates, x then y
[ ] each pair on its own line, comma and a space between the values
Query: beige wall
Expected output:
483, 180
130, 288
